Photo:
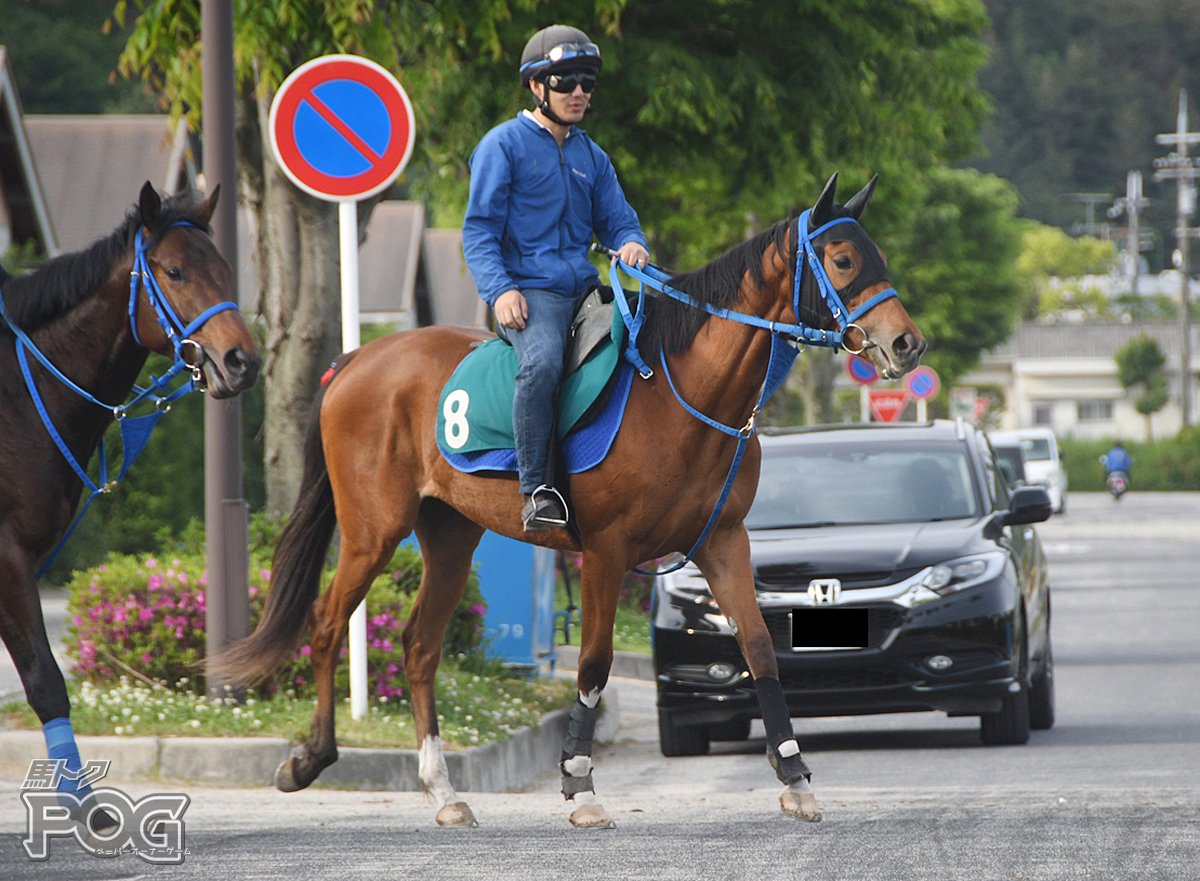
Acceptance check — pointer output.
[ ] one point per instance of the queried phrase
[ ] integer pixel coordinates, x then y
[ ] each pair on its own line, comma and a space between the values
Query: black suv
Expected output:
896, 572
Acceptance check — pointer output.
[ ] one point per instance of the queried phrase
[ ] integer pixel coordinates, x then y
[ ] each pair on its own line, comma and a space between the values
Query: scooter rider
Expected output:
540, 190
1117, 459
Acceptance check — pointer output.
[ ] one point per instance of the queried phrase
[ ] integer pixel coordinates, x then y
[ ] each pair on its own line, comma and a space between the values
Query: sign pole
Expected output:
352, 339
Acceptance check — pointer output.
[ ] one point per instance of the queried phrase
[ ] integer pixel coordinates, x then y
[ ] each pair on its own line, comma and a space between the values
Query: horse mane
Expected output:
57, 286
671, 326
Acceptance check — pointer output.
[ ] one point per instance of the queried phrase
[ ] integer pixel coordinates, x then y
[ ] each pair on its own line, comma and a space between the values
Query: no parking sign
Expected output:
341, 128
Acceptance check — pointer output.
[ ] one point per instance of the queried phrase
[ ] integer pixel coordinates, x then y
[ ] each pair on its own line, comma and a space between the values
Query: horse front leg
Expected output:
725, 562
600, 588
23, 631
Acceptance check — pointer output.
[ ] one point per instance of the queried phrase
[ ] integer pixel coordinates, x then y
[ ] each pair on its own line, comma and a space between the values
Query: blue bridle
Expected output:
783, 337
135, 431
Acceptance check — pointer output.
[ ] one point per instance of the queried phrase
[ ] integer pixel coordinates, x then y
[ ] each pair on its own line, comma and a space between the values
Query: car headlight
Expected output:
950, 577
955, 575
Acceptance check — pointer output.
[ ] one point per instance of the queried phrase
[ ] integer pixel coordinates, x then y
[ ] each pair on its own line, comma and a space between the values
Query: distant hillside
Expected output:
1081, 87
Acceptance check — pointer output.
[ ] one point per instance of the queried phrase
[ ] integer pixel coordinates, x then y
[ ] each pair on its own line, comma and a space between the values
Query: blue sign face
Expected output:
861, 370
328, 146
922, 383
922, 386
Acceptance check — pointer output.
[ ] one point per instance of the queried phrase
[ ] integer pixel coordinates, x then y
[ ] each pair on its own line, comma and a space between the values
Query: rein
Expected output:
135, 430
783, 350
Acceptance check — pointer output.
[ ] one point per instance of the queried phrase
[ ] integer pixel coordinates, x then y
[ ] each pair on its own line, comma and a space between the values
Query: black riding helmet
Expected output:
555, 49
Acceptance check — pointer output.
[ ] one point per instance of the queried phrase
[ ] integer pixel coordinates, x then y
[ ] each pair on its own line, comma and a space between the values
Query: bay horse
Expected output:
155, 284
372, 468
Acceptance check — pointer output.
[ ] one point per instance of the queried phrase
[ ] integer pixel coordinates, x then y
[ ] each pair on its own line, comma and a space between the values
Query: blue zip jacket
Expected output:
534, 208
1117, 459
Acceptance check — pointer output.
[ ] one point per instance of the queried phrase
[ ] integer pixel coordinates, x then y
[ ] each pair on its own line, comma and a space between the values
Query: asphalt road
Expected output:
1111, 792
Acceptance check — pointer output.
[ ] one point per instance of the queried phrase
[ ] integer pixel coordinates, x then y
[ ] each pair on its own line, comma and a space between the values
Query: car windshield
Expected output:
1035, 449
846, 483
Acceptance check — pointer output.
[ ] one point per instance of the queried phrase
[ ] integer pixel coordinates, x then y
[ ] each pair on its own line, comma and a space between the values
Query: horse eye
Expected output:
174, 273
844, 263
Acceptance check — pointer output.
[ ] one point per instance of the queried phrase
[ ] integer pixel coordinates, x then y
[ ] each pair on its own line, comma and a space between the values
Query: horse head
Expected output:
857, 271
184, 307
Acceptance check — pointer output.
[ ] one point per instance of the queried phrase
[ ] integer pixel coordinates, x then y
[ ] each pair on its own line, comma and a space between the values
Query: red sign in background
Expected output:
341, 127
888, 404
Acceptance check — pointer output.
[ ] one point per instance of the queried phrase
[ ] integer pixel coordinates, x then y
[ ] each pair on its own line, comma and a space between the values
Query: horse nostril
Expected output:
241, 366
908, 345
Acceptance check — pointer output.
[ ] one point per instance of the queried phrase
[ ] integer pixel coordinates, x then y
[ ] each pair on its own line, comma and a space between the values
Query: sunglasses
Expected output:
566, 82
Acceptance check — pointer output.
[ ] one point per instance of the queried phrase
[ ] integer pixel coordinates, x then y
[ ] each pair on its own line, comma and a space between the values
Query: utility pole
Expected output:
1181, 168
1132, 205
1090, 201
225, 511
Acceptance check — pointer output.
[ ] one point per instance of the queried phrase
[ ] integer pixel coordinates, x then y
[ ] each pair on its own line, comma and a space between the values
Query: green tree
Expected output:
954, 266
1140, 365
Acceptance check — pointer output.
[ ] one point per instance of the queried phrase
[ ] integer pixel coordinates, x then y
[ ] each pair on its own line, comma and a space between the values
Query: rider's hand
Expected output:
633, 254
512, 310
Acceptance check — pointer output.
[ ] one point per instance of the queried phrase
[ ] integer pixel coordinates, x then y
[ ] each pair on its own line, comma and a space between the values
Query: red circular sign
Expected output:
861, 370
341, 128
923, 382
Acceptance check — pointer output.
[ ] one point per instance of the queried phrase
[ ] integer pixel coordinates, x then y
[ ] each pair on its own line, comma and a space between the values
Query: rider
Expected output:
540, 189
1117, 459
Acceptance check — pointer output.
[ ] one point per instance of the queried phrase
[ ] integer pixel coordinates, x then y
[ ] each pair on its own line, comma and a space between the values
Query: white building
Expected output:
1064, 376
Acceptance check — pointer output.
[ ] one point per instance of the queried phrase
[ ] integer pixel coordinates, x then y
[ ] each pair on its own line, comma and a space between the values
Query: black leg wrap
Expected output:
580, 729
572, 786
778, 723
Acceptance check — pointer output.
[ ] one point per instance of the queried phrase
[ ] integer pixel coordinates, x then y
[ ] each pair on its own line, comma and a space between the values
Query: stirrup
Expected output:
546, 507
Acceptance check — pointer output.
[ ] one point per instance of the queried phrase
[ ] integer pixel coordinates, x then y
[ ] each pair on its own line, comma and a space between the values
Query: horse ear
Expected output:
150, 205
860, 199
823, 210
206, 208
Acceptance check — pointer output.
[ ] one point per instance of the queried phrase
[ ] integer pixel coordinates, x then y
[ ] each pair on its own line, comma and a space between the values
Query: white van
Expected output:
1043, 462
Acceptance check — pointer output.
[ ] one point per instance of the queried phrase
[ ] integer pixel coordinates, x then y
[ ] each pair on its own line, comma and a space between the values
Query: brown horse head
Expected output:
193, 276
858, 270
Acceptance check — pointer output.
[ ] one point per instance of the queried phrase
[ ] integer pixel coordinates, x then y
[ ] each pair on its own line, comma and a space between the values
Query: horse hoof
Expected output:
285, 776
456, 814
591, 817
800, 803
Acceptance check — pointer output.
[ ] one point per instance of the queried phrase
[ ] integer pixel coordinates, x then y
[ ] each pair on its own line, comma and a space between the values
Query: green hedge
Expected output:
1170, 464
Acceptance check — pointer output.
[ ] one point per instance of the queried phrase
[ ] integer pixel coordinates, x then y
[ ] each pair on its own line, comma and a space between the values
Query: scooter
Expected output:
1118, 483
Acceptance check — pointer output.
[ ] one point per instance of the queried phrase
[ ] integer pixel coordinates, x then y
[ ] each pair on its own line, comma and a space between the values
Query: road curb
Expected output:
251, 761
628, 665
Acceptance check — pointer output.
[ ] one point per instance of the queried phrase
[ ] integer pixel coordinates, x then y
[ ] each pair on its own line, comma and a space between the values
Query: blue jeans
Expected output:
539, 348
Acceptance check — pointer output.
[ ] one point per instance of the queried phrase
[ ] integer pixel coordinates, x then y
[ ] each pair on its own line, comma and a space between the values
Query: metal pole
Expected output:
225, 511
1183, 236
351, 339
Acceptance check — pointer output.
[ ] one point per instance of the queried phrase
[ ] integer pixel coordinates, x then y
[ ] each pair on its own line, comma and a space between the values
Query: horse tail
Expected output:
295, 570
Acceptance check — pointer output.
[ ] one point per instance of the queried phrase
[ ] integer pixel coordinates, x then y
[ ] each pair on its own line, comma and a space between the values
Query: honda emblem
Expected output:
824, 591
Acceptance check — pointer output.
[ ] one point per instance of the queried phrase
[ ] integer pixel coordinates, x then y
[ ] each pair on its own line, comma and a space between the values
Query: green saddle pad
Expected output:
475, 411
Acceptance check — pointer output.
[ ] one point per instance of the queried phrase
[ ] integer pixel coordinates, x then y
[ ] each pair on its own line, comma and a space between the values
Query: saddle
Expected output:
474, 422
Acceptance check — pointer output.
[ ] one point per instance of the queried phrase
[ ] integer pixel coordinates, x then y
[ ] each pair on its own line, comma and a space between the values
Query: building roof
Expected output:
1090, 339
24, 212
93, 167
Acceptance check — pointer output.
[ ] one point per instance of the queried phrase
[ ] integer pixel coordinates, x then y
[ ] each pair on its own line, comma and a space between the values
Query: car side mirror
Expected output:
1029, 504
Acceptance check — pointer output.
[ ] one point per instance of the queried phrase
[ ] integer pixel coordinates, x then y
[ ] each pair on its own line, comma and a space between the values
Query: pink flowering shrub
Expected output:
146, 616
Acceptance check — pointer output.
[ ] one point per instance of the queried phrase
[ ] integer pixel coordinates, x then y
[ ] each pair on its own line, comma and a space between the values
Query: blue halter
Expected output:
135, 431
783, 337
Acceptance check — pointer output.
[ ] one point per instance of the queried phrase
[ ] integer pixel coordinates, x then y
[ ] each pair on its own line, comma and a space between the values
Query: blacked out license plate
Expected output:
816, 630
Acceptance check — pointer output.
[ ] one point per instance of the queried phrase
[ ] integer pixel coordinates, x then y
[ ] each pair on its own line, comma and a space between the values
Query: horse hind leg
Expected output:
359, 563
448, 541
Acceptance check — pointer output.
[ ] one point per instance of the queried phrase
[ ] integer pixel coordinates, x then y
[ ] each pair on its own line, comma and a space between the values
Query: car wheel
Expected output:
735, 729
1041, 695
1011, 724
680, 740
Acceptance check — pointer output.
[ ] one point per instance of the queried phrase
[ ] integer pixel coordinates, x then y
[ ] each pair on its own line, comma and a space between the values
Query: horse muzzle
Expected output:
223, 375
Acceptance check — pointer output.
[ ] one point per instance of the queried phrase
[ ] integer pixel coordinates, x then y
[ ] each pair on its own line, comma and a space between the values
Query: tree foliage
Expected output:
1140, 366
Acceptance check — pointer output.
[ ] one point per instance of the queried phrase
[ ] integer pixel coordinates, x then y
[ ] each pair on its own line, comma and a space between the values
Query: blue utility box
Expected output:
518, 580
